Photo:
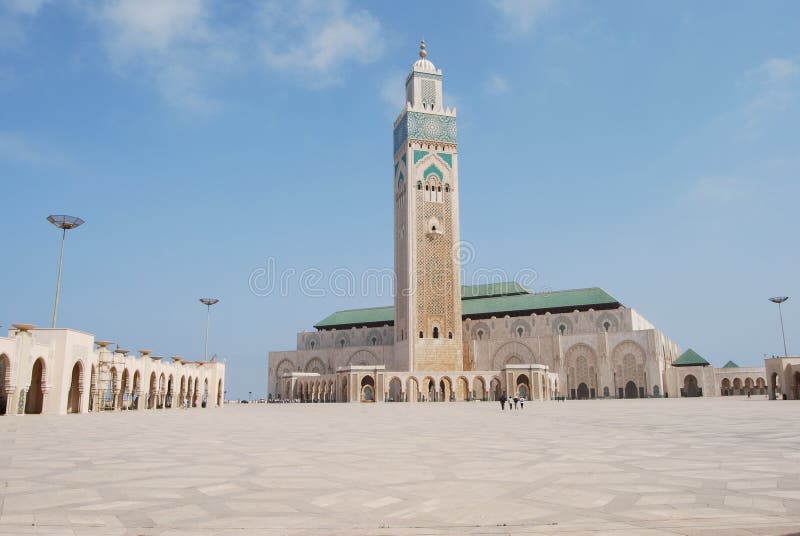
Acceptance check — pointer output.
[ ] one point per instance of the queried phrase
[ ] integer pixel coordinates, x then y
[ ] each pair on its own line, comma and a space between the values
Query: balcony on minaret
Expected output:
434, 229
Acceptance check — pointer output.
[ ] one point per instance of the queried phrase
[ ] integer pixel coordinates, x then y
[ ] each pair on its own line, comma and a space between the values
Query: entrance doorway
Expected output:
631, 391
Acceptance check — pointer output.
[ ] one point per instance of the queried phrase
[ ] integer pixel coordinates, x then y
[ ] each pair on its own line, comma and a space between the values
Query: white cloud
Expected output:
720, 190
497, 85
779, 70
393, 92
773, 88
179, 47
169, 44
314, 41
520, 17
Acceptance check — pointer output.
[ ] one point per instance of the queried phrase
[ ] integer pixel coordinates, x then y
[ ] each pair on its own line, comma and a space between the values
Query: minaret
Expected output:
428, 287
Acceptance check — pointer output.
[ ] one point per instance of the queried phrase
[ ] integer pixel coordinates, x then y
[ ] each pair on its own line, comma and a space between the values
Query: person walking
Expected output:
516, 401
503, 402
521, 402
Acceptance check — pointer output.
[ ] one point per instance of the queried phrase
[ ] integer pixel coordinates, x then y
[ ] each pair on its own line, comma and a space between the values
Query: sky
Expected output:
243, 150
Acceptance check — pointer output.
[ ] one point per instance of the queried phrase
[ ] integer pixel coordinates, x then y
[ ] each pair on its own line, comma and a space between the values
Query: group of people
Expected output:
512, 402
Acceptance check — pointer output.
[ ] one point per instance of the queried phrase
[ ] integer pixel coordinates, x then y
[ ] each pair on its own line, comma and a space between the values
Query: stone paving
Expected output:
643, 467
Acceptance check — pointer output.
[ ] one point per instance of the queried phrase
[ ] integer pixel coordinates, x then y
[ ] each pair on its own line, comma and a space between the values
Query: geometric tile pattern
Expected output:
642, 467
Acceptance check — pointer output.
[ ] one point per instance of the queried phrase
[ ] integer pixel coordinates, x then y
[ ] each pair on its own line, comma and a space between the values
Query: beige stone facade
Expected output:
59, 371
442, 341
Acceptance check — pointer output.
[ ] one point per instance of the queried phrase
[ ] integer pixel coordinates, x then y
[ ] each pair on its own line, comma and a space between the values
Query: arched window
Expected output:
449, 334
606, 325
312, 344
419, 185
520, 331
420, 334
374, 341
480, 334
446, 187
435, 332
562, 328
341, 343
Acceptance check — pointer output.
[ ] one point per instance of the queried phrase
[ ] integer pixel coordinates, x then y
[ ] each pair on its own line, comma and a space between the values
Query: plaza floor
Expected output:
641, 467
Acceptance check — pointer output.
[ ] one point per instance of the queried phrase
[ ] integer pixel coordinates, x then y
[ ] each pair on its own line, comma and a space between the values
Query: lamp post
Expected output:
63, 222
779, 300
208, 302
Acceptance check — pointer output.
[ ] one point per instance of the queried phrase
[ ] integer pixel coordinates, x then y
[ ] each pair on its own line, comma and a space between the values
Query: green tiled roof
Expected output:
730, 364
508, 288
541, 301
358, 317
690, 358
486, 300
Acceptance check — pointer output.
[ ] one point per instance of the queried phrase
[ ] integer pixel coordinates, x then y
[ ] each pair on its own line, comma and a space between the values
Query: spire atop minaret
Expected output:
422, 52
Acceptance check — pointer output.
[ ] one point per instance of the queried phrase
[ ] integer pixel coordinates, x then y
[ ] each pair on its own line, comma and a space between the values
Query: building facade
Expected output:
442, 341
58, 371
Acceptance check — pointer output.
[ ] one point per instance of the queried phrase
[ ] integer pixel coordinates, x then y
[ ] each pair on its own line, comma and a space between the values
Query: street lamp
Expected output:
208, 302
63, 222
779, 300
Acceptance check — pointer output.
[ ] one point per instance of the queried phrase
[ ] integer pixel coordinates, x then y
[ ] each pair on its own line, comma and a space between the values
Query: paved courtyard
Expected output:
644, 467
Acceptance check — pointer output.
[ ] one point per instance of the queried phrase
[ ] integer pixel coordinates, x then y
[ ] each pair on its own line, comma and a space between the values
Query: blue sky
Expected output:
648, 148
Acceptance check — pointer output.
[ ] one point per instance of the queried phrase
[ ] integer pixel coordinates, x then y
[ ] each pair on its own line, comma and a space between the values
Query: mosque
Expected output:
442, 341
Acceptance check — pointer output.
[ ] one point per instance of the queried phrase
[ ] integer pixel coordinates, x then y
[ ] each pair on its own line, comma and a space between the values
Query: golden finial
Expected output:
422, 52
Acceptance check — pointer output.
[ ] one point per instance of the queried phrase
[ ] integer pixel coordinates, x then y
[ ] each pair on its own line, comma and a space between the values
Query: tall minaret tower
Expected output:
428, 290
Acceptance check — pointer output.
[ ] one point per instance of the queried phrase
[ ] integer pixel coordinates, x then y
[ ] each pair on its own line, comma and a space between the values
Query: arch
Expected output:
5, 382
725, 387
93, 389
152, 392
479, 388
796, 386
196, 394
581, 362
124, 389
462, 389
607, 322
343, 390
395, 390
136, 389
412, 391
480, 331
690, 388
368, 388
583, 391
445, 389
429, 385
628, 363
35, 399
363, 357
512, 349
631, 390
170, 396
562, 325
737, 386
495, 388
75, 392
523, 387
315, 364
182, 392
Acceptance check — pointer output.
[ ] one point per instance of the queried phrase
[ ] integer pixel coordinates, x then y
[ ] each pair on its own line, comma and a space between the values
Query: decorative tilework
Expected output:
425, 127
447, 157
433, 169
429, 92
419, 155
